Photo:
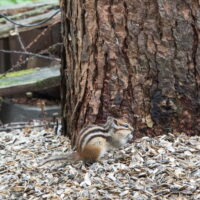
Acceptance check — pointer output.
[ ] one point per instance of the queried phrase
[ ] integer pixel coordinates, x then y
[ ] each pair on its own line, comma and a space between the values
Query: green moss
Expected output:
18, 73
45, 83
7, 83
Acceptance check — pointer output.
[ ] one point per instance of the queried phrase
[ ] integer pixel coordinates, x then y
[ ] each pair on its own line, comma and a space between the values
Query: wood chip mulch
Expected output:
164, 167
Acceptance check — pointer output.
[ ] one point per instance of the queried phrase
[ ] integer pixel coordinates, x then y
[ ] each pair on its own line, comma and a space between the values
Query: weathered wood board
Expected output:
29, 80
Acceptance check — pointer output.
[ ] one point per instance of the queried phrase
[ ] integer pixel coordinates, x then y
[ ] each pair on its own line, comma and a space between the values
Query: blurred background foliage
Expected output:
11, 2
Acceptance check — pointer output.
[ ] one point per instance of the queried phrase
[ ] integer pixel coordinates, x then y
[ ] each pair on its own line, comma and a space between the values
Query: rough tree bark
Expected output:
134, 59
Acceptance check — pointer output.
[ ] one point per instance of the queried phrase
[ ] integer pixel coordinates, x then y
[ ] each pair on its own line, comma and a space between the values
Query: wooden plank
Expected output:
29, 80
7, 29
28, 13
17, 8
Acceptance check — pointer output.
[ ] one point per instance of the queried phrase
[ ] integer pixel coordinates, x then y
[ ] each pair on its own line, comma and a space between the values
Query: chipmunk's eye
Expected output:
125, 125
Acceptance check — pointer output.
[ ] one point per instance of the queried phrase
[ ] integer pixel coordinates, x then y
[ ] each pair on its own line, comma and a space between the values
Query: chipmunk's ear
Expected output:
109, 122
109, 119
112, 122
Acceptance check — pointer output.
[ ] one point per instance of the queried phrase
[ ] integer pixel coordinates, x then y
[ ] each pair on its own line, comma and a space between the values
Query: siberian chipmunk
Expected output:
93, 141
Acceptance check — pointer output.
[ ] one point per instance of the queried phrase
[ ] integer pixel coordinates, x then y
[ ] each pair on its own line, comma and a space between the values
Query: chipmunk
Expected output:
93, 141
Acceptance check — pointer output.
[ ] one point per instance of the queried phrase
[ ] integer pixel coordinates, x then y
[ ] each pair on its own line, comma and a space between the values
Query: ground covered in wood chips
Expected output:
165, 167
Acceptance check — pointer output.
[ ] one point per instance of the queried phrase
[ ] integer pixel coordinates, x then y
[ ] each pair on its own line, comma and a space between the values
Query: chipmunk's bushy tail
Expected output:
70, 158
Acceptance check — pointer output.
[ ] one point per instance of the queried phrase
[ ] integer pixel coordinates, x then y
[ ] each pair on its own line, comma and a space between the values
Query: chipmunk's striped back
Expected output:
90, 132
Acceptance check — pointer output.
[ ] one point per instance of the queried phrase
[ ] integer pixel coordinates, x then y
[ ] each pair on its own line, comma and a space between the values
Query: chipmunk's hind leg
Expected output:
90, 153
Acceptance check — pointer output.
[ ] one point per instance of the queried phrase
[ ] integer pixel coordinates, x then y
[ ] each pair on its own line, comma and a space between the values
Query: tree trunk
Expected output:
134, 59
